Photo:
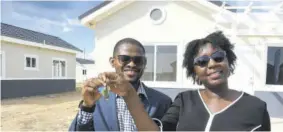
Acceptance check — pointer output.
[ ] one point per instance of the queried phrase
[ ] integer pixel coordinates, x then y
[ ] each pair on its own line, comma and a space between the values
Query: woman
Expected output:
209, 61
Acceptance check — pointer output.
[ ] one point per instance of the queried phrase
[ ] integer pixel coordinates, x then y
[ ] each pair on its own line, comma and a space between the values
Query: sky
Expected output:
52, 17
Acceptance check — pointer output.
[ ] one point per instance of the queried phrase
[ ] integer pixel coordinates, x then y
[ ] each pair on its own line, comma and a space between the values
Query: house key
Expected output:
104, 91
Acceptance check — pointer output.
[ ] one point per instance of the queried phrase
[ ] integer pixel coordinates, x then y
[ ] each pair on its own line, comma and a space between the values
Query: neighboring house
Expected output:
33, 63
84, 68
165, 28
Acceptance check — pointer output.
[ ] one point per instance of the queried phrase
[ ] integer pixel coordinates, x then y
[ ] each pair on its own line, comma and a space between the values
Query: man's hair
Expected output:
127, 41
218, 40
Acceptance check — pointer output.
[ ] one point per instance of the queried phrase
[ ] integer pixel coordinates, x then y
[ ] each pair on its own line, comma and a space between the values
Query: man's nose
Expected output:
131, 64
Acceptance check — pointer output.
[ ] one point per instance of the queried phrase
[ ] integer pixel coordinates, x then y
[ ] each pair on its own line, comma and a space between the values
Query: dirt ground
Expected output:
52, 113
41, 113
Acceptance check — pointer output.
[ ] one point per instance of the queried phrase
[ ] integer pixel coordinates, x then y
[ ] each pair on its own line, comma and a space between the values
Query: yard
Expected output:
51, 113
42, 113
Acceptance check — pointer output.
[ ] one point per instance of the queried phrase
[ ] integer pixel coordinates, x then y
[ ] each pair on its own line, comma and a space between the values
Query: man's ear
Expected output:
145, 63
112, 62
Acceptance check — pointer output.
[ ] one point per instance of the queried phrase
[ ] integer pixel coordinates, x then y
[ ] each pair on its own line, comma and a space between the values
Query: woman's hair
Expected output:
218, 40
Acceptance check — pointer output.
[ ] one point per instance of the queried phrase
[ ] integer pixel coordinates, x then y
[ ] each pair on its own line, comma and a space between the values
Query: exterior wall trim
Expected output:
268, 87
26, 88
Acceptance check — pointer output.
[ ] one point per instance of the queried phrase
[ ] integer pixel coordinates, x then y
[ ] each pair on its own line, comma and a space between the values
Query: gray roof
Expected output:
33, 36
104, 3
84, 61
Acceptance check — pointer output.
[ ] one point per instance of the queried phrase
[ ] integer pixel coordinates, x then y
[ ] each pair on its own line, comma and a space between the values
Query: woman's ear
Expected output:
197, 79
112, 62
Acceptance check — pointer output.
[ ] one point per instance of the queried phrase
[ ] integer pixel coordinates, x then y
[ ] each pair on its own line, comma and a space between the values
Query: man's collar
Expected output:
141, 91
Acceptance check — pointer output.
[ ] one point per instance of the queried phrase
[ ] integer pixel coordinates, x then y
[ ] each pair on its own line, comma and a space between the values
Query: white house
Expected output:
165, 27
84, 69
33, 63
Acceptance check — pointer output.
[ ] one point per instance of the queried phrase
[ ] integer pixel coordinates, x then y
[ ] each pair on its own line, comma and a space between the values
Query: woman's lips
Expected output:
215, 75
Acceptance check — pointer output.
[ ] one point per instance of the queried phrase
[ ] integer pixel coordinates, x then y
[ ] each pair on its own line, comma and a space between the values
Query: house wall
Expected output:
184, 23
79, 75
19, 82
257, 58
79, 72
15, 61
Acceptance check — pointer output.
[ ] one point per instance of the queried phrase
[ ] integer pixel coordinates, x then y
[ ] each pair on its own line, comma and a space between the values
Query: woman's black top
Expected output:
190, 113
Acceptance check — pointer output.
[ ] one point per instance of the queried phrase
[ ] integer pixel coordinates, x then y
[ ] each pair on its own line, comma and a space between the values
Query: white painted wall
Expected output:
79, 72
15, 61
183, 23
255, 62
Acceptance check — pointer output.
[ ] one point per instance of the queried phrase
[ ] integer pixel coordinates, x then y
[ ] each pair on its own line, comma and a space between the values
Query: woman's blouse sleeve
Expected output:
266, 120
171, 118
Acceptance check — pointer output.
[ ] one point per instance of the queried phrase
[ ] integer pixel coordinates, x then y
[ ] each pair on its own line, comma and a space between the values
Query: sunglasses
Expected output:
203, 61
125, 59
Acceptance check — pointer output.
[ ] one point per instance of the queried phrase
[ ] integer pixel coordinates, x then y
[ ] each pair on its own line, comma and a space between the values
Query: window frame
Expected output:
83, 72
36, 68
269, 87
166, 84
66, 68
163, 13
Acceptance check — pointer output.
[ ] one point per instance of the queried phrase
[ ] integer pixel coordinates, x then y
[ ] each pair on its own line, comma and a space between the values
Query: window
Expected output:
161, 63
31, 62
157, 15
274, 70
84, 71
59, 68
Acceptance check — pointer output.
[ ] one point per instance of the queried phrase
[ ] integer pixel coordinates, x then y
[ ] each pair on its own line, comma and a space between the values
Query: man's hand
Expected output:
90, 92
116, 83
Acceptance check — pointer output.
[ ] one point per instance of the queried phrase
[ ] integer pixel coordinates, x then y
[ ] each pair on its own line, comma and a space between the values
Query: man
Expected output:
97, 113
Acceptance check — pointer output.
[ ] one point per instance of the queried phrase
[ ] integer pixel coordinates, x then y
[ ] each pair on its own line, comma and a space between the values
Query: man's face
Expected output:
130, 61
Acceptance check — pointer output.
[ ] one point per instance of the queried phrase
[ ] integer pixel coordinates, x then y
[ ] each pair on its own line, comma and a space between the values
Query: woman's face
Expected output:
211, 66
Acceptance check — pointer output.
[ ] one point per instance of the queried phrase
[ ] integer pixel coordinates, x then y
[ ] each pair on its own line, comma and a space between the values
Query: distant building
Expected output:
34, 63
83, 69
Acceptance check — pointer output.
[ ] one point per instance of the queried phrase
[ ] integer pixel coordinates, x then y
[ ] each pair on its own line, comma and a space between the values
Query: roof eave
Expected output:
91, 19
41, 45
94, 9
